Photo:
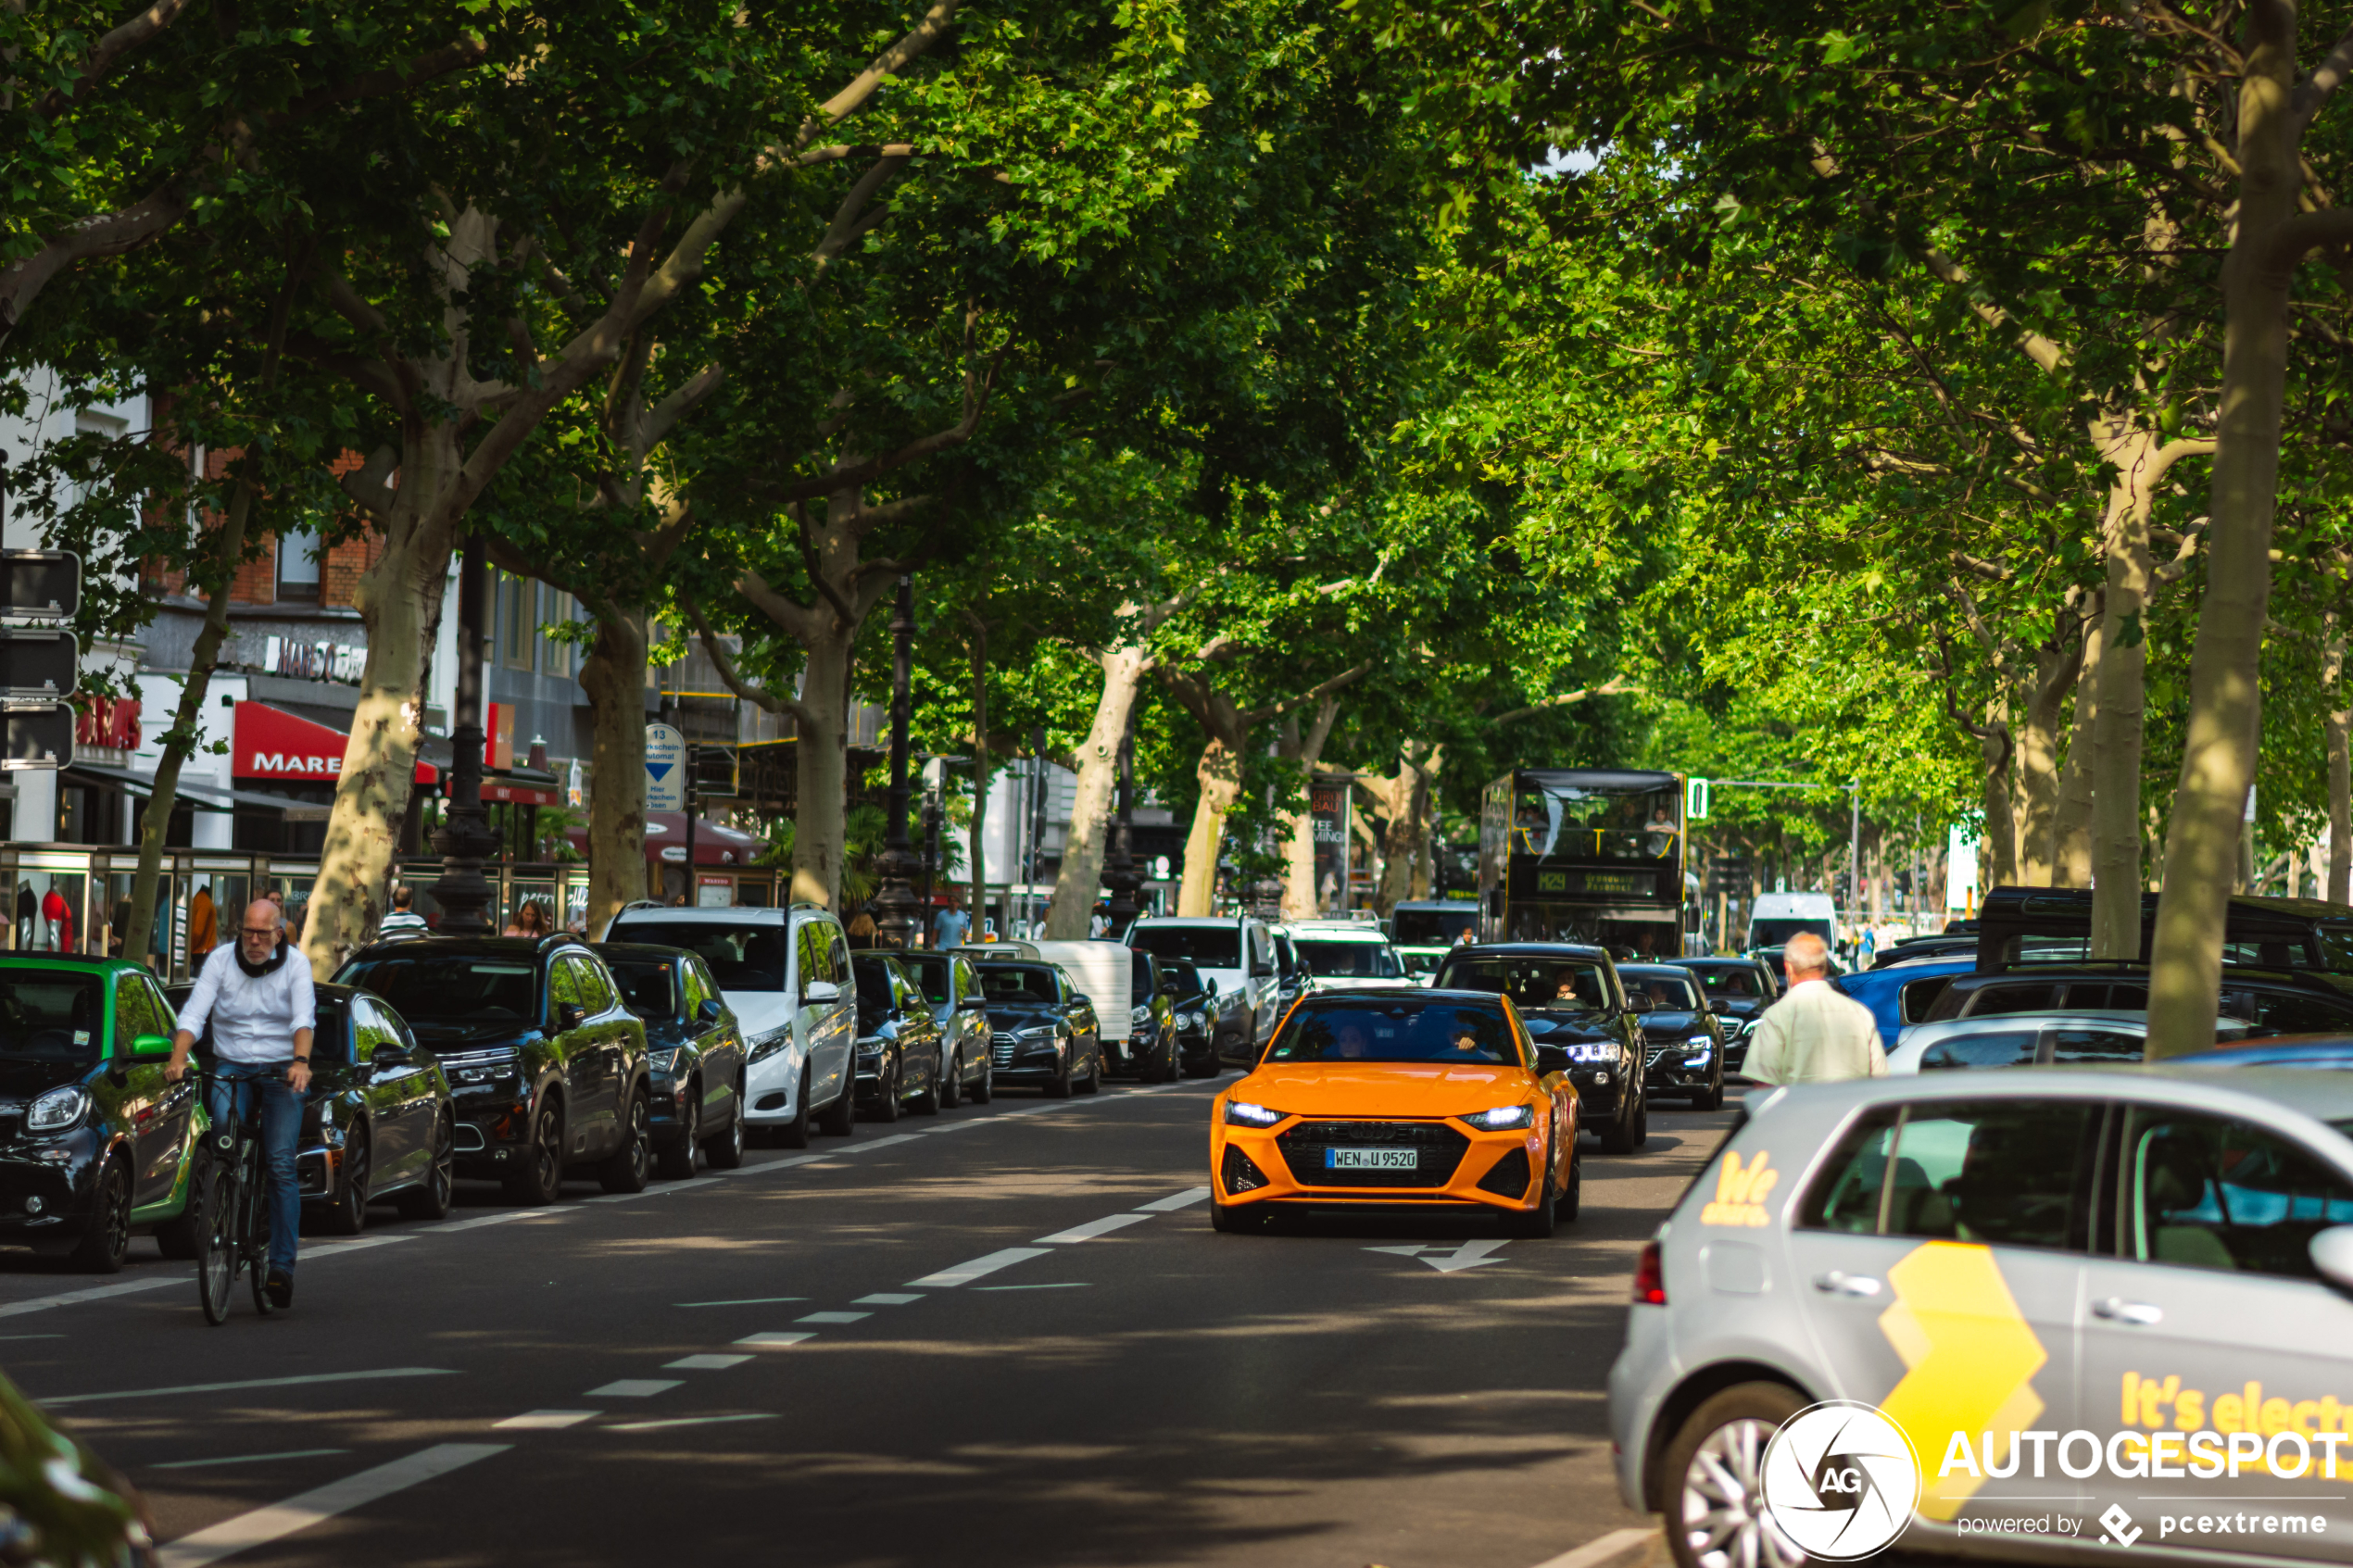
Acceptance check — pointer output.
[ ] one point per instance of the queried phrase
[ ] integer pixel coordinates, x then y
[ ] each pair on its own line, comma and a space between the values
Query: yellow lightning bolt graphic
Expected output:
1970, 1357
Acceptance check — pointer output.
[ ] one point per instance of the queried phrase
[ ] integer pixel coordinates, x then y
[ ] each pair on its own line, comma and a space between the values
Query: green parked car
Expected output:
94, 1144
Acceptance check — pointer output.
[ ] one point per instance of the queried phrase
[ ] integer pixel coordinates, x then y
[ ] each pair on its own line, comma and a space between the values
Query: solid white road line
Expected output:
1173, 1201
95, 1293
502, 1218
1094, 1228
964, 1273
775, 1341
878, 1143
546, 1421
743, 1301
833, 1317
253, 1383
1073, 1285
1605, 1548
247, 1459
318, 1250
633, 1389
704, 1363
280, 1520
887, 1298
683, 1421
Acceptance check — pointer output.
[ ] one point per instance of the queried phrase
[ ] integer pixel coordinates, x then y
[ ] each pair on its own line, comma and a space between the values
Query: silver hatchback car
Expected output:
2105, 1306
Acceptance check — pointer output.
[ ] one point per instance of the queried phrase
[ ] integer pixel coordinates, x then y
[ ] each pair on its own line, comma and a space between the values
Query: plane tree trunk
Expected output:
1069, 916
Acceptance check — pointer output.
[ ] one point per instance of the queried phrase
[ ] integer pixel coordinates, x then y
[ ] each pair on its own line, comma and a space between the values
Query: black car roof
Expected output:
638, 950
498, 947
2126, 969
1659, 968
1713, 963
1549, 949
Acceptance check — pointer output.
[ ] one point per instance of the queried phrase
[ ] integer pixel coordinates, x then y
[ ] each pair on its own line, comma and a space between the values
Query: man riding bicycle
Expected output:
258, 994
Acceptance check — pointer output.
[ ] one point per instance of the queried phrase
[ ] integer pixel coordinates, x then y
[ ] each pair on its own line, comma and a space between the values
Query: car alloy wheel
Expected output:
428, 1200
348, 1212
627, 1168
678, 1161
725, 1153
542, 1175
107, 1237
952, 1082
1717, 1516
885, 1106
986, 1088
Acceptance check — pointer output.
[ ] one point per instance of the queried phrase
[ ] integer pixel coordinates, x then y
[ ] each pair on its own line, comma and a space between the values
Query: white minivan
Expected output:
785, 972
1777, 917
1237, 954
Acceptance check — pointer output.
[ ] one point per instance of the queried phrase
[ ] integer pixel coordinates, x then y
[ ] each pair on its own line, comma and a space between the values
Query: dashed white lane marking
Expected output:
775, 1341
887, 1298
280, 1520
253, 1383
684, 1421
633, 1389
1173, 1201
95, 1293
878, 1143
833, 1317
1073, 1285
1094, 1228
704, 1363
743, 1301
247, 1459
767, 1165
546, 1421
964, 1273
318, 1249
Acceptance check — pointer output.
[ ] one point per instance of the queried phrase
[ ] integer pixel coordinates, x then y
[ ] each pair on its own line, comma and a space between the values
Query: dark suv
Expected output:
2276, 1001
545, 1064
1571, 996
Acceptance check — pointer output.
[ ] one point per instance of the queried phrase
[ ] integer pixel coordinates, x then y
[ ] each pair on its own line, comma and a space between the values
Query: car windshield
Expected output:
1139, 982
1431, 928
1667, 993
1018, 983
1399, 1029
1731, 981
1354, 960
448, 988
1777, 933
645, 984
873, 974
742, 958
930, 972
1536, 981
1211, 947
50, 1015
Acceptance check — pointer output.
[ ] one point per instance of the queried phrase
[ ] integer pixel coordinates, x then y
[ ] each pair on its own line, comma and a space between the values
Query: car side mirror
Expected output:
821, 991
1552, 1058
710, 1011
389, 1055
2332, 1253
571, 1015
148, 1046
975, 1002
1264, 972
1638, 1004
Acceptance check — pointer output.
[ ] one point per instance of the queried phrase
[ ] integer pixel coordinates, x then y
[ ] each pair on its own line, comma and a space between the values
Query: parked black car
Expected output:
378, 1122
1149, 1050
1738, 991
1043, 1028
2277, 1001
695, 1046
1683, 1039
1571, 996
952, 986
1194, 1000
898, 1062
547, 1067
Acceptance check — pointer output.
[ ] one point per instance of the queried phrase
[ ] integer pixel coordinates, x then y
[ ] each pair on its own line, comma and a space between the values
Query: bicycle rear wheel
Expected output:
216, 1243
255, 1232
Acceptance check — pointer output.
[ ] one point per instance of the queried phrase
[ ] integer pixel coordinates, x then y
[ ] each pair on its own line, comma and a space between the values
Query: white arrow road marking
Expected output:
1470, 1255
280, 1520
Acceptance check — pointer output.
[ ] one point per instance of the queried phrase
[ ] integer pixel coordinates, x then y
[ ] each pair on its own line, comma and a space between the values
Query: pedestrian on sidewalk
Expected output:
1813, 1035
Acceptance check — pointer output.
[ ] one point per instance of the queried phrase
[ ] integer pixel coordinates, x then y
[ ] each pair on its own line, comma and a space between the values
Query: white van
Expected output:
1777, 917
1235, 952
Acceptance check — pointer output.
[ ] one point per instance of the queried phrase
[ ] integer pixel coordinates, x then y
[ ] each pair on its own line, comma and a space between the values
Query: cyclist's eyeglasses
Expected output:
258, 931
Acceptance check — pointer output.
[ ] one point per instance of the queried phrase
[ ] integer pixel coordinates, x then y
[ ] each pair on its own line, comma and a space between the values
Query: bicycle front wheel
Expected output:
257, 1237
216, 1243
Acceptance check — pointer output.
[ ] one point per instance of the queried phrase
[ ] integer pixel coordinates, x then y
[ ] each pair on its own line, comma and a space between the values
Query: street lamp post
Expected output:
464, 836
895, 923
1119, 867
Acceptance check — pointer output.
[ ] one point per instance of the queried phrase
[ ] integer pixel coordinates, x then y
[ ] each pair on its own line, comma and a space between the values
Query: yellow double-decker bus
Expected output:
1583, 855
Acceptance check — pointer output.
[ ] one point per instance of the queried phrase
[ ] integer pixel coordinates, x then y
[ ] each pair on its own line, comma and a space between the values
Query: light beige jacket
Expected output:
1814, 1035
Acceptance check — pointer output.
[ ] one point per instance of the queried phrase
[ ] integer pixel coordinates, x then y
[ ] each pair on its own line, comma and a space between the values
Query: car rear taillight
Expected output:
1650, 1278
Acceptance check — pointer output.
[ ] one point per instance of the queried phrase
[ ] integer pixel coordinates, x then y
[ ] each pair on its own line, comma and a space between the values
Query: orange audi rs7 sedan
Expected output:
1398, 1099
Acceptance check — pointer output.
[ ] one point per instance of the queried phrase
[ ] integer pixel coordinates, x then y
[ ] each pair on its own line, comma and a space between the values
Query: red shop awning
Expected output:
270, 742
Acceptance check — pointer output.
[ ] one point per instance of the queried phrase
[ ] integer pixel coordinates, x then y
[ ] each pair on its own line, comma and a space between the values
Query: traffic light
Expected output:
39, 665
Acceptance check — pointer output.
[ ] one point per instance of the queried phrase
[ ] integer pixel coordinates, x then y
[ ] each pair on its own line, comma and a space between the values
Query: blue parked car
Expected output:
1900, 995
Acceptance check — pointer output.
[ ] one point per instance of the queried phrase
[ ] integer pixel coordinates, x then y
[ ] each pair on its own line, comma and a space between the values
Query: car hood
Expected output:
439, 1035
1390, 1088
756, 1012
28, 1077
1738, 1007
1021, 1017
1568, 1028
1669, 1023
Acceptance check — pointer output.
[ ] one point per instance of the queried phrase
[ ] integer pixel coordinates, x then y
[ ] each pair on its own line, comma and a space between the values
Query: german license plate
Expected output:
1370, 1158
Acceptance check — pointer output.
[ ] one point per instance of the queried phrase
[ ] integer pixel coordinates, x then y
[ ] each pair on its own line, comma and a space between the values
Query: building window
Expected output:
298, 564
518, 621
557, 661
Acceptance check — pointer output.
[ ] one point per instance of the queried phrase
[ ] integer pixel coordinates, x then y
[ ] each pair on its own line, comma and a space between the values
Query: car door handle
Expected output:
2115, 1309
1837, 1282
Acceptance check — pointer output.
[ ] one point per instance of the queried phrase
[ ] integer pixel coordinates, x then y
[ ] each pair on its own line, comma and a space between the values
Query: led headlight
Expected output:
1699, 1060
1700, 1042
1502, 1118
1034, 1034
767, 1044
1600, 1050
1139, 1016
1241, 1113
56, 1110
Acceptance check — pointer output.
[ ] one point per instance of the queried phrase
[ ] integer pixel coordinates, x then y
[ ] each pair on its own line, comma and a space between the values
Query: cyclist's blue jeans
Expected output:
281, 1125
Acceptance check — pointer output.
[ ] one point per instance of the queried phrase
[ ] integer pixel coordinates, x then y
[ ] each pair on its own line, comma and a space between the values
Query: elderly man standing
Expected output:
1813, 1035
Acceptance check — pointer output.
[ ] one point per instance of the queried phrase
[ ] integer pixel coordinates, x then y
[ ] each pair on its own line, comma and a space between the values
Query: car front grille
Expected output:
1437, 1149
1000, 1051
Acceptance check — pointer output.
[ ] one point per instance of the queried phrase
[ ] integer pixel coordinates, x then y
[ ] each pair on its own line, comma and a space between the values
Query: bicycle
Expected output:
233, 1232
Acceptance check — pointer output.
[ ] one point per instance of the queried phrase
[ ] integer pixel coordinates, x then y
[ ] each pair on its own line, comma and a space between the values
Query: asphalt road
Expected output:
1005, 1334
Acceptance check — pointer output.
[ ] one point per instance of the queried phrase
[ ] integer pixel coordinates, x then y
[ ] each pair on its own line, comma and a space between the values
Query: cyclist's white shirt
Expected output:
253, 1019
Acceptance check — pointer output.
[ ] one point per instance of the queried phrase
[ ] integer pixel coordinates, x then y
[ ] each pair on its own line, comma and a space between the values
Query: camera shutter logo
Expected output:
1840, 1480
